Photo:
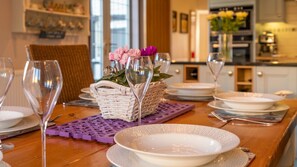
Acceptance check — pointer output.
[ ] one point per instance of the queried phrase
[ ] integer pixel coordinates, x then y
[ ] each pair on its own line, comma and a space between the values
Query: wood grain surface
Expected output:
267, 142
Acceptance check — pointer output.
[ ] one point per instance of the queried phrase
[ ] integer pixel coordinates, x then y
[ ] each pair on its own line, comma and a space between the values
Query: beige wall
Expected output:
286, 32
180, 41
13, 44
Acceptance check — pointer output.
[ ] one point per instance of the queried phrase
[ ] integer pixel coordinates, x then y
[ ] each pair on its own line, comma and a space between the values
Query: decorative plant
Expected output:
120, 57
227, 21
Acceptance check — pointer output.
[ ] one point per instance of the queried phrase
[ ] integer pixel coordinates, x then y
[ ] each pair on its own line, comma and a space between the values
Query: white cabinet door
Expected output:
177, 71
226, 77
272, 79
271, 11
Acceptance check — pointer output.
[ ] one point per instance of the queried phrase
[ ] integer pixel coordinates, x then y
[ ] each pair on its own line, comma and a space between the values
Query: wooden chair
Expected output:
75, 64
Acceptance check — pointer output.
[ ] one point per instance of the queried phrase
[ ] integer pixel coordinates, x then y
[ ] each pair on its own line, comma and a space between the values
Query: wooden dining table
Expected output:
267, 142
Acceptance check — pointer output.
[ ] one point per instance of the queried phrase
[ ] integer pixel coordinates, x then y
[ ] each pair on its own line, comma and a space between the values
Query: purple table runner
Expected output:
96, 128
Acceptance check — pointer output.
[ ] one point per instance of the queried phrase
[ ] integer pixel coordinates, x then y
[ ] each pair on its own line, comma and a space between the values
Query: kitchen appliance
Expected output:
268, 44
242, 47
247, 27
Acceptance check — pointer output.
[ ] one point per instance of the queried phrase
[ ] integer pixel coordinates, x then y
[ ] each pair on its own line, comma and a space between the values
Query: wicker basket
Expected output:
118, 102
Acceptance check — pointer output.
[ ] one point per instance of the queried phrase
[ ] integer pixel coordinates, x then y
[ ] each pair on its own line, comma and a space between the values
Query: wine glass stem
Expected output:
43, 143
216, 87
139, 112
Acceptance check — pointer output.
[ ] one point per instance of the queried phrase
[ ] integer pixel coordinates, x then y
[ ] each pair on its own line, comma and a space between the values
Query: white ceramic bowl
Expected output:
176, 144
248, 100
193, 89
12, 115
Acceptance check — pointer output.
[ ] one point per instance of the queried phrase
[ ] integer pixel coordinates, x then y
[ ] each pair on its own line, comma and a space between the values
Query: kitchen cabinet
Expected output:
272, 79
176, 70
225, 80
69, 17
226, 3
191, 73
270, 11
244, 78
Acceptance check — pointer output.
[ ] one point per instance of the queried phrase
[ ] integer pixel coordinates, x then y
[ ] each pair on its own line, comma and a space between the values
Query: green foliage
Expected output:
120, 78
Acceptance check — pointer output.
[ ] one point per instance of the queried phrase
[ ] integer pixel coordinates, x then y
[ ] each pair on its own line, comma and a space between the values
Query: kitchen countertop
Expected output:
293, 64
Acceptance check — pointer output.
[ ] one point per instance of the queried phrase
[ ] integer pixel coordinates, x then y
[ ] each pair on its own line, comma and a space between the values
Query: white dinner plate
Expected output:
86, 96
184, 97
222, 106
171, 143
26, 123
248, 100
86, 90
126, 158
25, 110
193, 89
4, 164
12, 115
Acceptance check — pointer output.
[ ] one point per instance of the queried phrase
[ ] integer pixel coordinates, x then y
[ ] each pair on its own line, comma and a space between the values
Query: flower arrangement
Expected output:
120, 57
227, 21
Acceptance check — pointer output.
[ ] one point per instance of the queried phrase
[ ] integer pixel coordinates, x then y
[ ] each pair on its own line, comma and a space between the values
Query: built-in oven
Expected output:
242, 47
247, 27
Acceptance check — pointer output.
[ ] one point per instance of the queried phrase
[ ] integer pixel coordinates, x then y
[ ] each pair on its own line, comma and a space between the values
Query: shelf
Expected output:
244, 83
244, 78
31, 17
57, 13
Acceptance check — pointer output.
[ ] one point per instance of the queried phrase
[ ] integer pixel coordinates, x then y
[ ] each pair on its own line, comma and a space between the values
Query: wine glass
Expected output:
163, 60
6, 77
42, 82
215, 62
139, 73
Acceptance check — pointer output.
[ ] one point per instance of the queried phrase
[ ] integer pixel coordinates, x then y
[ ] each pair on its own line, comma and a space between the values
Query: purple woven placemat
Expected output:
96, 128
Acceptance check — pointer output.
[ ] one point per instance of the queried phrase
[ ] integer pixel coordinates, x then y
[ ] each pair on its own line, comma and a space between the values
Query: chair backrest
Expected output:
75, 64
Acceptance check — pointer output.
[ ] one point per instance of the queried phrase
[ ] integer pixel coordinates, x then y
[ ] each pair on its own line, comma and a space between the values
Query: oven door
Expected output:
241, 51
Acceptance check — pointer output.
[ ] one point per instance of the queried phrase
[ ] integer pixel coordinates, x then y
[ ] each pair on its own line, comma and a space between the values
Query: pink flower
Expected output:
124, 59
111, 56
134, 52
117, 56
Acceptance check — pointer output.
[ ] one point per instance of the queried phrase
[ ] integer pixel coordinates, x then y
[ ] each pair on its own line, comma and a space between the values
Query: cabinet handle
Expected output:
193, 74
177, 71
230, 73
260, 74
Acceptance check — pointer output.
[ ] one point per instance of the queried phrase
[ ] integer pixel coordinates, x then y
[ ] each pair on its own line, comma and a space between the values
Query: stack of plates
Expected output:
175, 145
15, 118
86, 95
191, 91
248, 103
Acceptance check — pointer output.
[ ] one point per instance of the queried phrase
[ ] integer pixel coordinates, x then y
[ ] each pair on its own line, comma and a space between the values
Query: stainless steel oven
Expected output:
247, 27
242, 47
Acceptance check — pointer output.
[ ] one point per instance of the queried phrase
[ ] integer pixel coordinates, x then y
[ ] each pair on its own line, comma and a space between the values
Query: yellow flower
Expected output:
241, 15
222, 14
229, 13
212, 16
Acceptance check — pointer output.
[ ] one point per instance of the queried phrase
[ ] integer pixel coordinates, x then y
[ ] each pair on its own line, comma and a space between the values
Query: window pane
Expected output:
97, 38
120, 23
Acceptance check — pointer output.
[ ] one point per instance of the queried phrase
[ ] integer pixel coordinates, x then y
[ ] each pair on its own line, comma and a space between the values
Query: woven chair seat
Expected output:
75, 64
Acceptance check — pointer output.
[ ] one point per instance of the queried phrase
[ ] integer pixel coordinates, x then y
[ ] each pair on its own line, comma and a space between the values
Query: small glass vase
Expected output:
225, 46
